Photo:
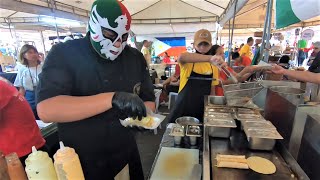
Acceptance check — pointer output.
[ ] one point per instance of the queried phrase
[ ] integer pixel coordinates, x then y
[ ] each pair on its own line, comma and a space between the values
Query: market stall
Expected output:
244, 133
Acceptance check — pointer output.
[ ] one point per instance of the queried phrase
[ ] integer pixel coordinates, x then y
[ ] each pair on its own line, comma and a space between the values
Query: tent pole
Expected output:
220, 36
57, 30
264, 30
44, 46
266, 54
229, 47
13, 37
234, 19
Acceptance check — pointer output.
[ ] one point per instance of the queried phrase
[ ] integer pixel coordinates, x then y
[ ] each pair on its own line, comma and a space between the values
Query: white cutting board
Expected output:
175, 164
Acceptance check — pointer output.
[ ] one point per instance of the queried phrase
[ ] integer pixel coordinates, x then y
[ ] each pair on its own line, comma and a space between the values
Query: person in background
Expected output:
223, 79
301, 56
172, 83
311, 75
146, 51
88, 84
284, 61
241, 45
242, 61
198, 77
166, 58
27, 76
246, 49
18, 130
314, 68
257, 43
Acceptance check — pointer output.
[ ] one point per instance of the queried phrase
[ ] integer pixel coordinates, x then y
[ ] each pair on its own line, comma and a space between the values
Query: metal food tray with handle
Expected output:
241, 86
241, 95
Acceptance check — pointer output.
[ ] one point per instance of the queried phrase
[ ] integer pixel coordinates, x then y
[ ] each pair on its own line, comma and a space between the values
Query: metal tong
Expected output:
228, 73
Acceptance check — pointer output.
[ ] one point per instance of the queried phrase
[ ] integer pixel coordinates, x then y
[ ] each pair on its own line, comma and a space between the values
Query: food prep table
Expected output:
237, 144
288, 165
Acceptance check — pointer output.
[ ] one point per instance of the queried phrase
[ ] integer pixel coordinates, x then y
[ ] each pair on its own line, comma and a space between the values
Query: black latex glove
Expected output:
129, 105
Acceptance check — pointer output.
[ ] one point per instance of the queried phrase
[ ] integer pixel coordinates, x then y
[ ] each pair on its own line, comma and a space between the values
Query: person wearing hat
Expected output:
198, 76
109, 82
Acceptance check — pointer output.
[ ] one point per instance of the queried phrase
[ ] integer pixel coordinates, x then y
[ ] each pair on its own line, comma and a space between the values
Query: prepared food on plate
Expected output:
145, 122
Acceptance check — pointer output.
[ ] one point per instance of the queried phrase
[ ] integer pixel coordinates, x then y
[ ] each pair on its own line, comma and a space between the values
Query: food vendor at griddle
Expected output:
198, 77
87, 85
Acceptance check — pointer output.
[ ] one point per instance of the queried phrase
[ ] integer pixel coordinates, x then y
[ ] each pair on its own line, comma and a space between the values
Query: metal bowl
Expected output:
187, 120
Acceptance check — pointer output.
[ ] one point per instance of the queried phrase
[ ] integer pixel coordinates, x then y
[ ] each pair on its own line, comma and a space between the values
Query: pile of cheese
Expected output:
145, 122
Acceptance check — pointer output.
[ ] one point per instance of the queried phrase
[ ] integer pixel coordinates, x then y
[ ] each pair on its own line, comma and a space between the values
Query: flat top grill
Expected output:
238, 145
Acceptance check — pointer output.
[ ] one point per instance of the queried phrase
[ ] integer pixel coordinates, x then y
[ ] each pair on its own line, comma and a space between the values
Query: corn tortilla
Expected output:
261, 165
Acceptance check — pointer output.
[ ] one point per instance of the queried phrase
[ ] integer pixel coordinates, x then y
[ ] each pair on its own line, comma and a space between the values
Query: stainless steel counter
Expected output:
168, 141
238, 145
287, 166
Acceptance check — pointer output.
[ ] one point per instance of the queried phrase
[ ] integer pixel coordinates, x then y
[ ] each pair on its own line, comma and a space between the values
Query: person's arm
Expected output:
167, 81
304, 76
175, 83
56, 103
213, 91
194, 58
22, 91
18, 83
64, 108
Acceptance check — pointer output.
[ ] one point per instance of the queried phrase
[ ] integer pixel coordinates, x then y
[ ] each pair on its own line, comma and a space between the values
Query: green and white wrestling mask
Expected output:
109, 27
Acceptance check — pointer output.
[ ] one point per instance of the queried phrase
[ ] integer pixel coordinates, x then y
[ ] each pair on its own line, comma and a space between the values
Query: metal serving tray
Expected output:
242, 117
262, 139
220, 128
218, 110
218, 116
248, 124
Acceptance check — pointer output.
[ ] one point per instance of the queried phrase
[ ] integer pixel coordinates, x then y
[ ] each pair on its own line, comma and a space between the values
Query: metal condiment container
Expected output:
217, 110
257, 125
220, 128
193, 131
243, 117
218, 116
262, 139
250, 120
177, 132
246, 111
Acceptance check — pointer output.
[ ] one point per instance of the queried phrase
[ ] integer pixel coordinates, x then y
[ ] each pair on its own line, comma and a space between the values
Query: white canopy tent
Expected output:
160, 17
149, 17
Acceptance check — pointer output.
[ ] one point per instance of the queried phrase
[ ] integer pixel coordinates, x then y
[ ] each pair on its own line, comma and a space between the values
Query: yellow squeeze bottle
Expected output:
67, 164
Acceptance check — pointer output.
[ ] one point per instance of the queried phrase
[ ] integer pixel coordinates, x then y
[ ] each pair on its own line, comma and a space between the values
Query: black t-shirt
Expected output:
74, 68
315, 66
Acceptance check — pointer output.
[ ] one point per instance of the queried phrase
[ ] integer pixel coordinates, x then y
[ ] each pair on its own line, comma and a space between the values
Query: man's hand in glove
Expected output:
129, 105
